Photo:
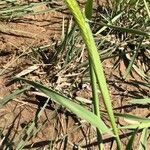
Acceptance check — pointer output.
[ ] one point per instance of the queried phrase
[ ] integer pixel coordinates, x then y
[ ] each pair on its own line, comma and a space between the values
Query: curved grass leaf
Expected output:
72, 106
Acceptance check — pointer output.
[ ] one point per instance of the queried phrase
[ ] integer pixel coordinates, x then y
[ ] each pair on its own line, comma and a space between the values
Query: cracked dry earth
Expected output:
17, 38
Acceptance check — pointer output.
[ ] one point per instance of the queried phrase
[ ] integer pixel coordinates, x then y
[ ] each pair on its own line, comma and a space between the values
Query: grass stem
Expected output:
95, 98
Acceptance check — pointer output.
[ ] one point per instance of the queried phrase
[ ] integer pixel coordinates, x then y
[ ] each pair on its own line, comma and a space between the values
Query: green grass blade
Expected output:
140, 72
143, 101
72, 106
96, 63
88, 9
23, 141
123, 29
96, 109
133, 117
134, 126
140, 83
9, 97
95, 100
117, 5
129, 68
143, 140
94, 92
31, 128
131, 140
113, 20
140, 122
147, 8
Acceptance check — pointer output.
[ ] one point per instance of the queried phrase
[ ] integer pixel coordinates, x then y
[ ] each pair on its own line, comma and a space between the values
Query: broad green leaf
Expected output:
72, 106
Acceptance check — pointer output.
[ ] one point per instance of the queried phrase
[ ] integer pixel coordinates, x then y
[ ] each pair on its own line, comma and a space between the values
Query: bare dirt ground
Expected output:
17, 38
